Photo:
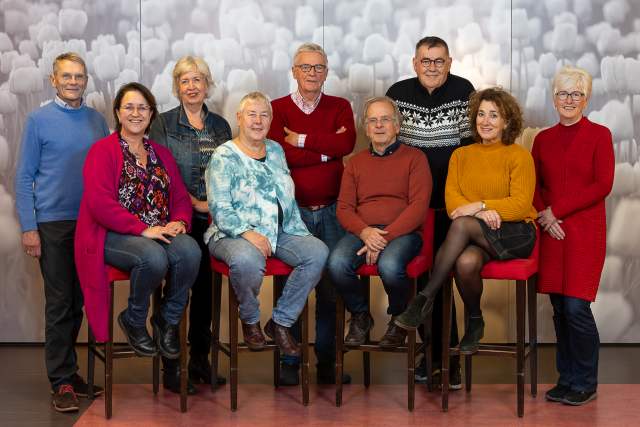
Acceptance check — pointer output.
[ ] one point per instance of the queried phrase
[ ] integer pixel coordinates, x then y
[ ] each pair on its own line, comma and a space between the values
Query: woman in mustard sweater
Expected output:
489, 194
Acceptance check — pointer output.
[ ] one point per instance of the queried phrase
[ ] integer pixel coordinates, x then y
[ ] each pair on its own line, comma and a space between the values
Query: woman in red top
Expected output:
134, 215
574, 164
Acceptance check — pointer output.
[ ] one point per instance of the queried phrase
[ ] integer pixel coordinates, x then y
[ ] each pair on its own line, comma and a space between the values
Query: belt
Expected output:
316, 207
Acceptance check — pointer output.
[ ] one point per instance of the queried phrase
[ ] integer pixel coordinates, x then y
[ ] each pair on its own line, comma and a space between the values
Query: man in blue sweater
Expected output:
55, 142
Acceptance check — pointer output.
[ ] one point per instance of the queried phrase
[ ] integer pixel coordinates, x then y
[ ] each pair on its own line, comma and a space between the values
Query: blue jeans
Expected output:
306, 254
392, 264
148, 261
578, 342
324, 225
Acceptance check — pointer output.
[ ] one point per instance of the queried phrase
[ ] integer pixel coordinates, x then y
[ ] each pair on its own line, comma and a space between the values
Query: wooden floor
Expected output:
380, 405
25, 398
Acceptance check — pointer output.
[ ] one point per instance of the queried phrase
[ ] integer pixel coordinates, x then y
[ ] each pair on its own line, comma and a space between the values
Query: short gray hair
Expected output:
69, 56
397, 115
573, 75
255, 97
310, 47
191, 63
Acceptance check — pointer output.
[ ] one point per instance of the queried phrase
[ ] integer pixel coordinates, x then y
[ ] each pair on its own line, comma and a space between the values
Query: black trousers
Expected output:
63, 300
200, 303
442, 224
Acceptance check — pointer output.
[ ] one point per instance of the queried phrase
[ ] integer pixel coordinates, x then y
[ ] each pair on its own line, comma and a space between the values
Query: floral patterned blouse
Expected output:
144, 191
244, 194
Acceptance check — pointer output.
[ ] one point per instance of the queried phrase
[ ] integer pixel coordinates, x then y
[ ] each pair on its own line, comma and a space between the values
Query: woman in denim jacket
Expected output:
255, 216
192, 133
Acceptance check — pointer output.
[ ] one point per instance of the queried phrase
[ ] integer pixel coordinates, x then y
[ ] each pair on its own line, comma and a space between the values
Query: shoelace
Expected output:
66, 388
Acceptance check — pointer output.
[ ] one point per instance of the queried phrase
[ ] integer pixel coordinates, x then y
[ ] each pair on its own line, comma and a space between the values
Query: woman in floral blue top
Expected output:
251, 198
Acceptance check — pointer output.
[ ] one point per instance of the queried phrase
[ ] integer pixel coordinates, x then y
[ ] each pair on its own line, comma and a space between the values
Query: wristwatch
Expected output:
484, 205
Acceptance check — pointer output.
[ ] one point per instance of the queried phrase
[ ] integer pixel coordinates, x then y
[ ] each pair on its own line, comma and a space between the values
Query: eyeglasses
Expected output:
306, 68
439, 62
384, 120
563, 95
67, 77
130, 108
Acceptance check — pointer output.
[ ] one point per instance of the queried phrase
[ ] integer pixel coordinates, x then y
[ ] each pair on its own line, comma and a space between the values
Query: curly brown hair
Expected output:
507, 106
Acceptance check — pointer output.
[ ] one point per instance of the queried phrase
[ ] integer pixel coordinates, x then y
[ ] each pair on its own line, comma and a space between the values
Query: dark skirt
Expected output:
511, 240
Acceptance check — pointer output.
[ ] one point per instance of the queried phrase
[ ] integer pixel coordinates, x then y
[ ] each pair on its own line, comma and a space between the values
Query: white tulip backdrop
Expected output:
517, 44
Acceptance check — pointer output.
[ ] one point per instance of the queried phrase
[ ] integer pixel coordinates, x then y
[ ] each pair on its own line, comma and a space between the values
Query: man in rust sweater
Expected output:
382, 205
315, 130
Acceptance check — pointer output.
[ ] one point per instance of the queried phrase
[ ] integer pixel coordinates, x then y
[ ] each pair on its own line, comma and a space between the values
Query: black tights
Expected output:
465, 251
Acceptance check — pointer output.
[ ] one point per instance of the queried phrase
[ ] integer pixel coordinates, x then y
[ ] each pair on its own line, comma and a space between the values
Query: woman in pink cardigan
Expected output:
134, 215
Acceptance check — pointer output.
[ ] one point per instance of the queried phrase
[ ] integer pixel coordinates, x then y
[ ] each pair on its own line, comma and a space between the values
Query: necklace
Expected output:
250, 150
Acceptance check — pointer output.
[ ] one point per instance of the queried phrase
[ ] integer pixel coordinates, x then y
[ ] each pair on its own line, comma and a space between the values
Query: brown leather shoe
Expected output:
394, 337
253, 337
283, 339
359, 326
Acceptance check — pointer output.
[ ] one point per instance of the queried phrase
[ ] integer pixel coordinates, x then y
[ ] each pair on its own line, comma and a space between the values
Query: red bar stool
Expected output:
524, 272
415, 269
109, 351
279, 270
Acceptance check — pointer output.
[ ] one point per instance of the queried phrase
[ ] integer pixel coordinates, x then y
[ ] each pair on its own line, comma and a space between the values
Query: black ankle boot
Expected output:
167, 337
472, 336
200, 370
418, 310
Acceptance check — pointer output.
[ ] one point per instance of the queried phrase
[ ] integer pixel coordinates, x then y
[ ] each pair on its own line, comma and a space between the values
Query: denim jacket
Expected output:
243, 194
172, 129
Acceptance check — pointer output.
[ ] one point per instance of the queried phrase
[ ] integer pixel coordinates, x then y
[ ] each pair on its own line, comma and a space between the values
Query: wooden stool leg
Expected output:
155, 309
108, 363
366, 356
411, 363
468, 361
278, 286
304, 369
183, 361
427, 348
520, 319
233, 348
533, 334
91, 363
339, 347
216, 297
446, 335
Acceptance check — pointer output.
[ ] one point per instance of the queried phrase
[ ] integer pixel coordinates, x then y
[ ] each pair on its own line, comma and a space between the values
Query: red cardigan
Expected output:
100, 211
574, 169
317, 182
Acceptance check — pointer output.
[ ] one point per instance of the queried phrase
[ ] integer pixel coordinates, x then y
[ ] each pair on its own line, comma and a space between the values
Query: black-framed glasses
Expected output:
575, 95
306, 68
438, 62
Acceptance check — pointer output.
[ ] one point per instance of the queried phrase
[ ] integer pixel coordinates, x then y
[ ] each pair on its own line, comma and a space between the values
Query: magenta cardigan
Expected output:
100, 211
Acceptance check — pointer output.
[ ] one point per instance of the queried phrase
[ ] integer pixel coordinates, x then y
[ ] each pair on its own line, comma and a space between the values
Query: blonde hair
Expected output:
397, 115
255, 97
191, 63
569, 76
69, 56
310, 47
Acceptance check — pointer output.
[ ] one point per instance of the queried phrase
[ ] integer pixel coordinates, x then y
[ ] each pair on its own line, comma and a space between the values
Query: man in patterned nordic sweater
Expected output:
434, 105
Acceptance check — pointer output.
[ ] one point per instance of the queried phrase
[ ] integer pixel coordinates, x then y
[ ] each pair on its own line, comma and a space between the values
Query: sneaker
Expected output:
65, 399
557, 393
288, 375
577, 398
455, 376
